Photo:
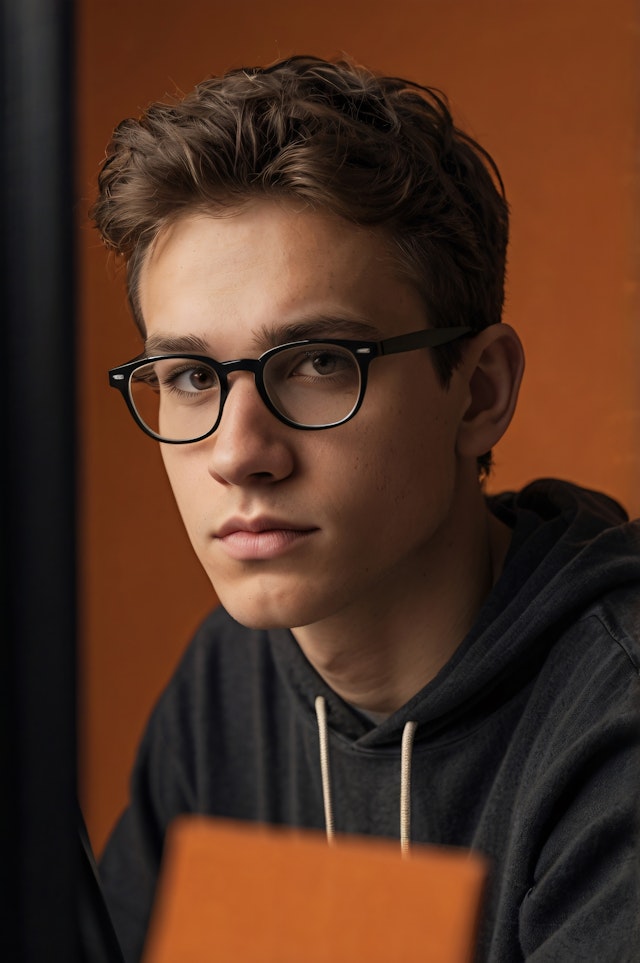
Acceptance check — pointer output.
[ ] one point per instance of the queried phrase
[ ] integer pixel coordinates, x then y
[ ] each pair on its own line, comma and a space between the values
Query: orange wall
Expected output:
549, 88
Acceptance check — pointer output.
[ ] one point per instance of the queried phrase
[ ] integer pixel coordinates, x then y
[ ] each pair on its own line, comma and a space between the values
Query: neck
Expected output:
377, 659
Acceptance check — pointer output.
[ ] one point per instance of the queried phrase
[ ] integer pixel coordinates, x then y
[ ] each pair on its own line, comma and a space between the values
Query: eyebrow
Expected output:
189, 344
313, 328
270, 336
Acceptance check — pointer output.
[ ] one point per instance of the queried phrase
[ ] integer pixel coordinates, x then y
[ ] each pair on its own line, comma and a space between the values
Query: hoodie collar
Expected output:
570, 547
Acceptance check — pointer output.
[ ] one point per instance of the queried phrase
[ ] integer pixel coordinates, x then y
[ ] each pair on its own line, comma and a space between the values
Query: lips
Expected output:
260, 538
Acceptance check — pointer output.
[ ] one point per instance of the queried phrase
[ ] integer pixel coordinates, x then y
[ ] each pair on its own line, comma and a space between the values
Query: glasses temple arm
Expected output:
429, 338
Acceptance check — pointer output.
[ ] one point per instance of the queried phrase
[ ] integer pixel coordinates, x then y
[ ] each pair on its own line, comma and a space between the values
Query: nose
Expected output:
249, 445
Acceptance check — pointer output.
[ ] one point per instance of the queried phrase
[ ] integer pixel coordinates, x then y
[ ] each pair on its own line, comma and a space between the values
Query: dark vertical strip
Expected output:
38, 372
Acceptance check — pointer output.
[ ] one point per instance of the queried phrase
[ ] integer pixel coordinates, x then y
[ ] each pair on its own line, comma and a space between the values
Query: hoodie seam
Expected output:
622, 640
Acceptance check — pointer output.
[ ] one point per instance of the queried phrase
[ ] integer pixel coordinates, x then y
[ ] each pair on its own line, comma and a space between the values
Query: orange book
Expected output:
245, 893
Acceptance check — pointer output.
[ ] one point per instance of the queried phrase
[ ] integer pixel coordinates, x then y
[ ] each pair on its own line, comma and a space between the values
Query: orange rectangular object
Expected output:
255, 894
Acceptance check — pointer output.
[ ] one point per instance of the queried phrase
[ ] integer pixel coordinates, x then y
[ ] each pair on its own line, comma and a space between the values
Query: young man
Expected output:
335, 232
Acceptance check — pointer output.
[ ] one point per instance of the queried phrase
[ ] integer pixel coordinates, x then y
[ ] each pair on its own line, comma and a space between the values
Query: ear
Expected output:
492, 368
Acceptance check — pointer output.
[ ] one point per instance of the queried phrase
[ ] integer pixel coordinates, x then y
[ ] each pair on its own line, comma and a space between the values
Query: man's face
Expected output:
293, 527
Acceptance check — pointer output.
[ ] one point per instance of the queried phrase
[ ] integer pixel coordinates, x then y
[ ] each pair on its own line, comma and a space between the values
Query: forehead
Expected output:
270, 262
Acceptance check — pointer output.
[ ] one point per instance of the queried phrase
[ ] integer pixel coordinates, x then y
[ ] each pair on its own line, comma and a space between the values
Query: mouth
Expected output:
260, 539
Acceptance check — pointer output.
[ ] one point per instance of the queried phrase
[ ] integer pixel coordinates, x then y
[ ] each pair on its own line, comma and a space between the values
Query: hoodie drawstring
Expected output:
408, 735
323, 733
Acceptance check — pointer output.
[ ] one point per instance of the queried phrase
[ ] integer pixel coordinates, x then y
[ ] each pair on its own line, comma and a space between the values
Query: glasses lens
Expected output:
178, 399
313, 385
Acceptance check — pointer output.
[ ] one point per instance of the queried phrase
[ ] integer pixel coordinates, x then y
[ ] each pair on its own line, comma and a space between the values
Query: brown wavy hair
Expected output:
378, 151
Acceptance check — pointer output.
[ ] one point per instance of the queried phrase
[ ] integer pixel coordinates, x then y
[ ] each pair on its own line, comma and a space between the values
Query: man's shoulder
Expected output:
218, 626
224, 671
611, 627
220, 644
590, 680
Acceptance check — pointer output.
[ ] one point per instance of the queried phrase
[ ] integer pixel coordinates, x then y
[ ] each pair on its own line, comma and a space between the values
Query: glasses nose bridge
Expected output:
227, 368
254, 365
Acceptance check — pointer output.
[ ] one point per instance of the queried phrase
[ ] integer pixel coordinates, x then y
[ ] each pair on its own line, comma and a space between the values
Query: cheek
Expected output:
414, 430
171, 461
388, 463
185, 474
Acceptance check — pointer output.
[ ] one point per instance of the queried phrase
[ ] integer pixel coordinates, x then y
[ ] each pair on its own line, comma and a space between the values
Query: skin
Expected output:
379, 549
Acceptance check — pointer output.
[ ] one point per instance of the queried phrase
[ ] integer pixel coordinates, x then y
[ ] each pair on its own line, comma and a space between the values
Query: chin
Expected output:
263, 609
251, 619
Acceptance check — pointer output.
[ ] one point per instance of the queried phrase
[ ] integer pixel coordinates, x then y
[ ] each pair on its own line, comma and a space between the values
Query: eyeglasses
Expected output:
179, 398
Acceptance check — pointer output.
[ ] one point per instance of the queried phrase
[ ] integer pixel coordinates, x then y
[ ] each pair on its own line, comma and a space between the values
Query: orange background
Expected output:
551, 89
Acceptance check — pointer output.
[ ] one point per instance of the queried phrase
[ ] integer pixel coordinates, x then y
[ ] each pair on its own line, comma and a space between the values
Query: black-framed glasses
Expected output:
179, 398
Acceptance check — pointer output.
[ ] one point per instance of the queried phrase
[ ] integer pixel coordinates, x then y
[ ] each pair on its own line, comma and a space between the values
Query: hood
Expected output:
570, 548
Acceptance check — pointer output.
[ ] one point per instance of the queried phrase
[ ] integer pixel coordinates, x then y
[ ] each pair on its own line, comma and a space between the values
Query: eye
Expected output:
323, 362
185, 376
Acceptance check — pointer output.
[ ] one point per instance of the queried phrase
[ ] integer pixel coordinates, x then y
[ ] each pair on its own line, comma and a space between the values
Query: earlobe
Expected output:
493, 369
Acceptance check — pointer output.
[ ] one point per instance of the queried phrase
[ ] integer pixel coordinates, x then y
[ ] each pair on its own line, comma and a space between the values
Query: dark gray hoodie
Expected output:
526, 745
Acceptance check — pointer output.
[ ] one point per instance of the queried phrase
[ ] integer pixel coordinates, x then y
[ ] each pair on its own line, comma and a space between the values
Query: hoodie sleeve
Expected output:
584, 901
162, 786
197, 755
